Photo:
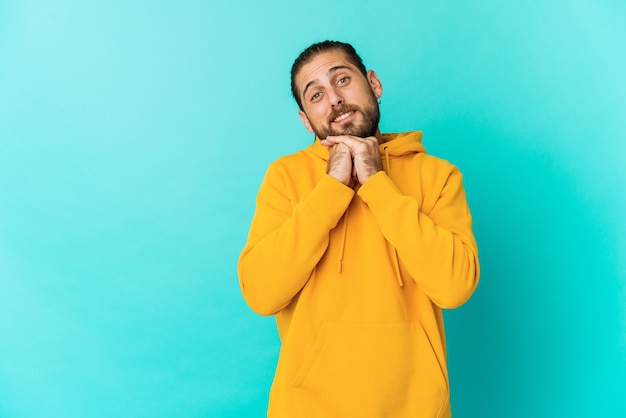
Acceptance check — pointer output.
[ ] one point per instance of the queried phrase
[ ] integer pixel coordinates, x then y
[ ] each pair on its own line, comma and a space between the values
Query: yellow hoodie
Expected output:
357, 281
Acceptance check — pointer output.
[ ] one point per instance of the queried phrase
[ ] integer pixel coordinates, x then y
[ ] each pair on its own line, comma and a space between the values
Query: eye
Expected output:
316, 96
343, 81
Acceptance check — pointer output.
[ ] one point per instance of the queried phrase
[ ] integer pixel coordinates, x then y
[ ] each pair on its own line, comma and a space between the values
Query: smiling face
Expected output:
337, 99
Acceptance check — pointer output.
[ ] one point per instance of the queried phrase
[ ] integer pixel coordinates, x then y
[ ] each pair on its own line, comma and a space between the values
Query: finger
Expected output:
350, 141
330, 140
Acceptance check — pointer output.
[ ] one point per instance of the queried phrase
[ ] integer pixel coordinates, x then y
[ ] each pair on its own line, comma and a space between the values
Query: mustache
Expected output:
340, 110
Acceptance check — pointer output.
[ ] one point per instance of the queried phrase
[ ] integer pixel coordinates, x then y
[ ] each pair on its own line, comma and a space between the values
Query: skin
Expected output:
330, 87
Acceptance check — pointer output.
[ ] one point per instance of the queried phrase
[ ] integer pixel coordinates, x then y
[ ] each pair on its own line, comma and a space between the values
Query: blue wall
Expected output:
134, 136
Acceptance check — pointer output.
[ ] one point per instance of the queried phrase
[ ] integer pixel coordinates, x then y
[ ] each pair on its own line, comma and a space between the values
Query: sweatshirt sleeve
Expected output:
435, 244
287, 239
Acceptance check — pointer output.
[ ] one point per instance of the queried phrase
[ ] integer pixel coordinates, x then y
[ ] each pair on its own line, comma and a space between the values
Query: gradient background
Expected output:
134, 136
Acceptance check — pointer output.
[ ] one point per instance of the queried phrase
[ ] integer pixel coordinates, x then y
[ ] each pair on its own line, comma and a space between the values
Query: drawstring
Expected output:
396, 264
343, 241
386, 148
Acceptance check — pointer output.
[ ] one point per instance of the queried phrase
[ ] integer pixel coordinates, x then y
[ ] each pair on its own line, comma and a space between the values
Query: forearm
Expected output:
285, 243
437, 249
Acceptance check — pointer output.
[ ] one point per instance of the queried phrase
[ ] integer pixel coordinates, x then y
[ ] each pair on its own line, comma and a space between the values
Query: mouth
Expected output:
344, 117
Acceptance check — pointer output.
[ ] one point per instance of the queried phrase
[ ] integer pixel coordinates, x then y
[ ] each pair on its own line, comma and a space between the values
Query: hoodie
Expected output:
357, 279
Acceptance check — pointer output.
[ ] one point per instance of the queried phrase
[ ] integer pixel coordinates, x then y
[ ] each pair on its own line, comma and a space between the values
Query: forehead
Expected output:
317, 68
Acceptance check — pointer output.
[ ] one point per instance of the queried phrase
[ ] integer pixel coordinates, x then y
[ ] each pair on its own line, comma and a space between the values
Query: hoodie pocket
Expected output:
372, 369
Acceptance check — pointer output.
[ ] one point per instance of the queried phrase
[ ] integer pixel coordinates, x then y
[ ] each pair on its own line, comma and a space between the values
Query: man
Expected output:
357, 243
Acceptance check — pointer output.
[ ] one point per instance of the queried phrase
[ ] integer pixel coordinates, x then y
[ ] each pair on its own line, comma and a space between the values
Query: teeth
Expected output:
342, 117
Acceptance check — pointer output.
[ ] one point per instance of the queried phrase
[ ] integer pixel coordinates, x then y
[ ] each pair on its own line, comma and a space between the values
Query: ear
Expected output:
375, 83
305, 121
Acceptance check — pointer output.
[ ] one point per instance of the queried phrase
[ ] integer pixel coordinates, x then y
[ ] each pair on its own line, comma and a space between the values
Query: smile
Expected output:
343, 117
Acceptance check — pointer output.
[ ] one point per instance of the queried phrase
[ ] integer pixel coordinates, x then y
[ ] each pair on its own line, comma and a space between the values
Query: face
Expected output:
337, 99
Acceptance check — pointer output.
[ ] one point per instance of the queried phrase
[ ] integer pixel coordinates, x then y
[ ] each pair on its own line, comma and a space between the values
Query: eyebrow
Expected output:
329, 72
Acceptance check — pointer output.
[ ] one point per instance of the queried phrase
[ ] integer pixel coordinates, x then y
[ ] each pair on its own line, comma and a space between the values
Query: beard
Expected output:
367, 127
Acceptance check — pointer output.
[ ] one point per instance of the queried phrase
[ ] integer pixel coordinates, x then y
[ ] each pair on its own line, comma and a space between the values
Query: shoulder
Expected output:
297, 160
430, 162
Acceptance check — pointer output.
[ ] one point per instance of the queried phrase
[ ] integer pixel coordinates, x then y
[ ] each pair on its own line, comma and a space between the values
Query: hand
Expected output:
364, 152
340, 163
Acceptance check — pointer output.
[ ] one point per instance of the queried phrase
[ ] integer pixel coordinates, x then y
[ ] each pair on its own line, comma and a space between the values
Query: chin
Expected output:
350, 129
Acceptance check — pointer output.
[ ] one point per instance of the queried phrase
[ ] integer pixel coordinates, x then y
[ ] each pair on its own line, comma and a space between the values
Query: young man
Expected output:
357, 243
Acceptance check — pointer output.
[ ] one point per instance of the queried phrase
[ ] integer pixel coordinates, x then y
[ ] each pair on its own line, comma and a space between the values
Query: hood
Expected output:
396, 145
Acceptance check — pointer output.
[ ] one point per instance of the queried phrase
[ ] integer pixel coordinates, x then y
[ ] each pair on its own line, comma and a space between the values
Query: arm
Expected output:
287, 238
433, 238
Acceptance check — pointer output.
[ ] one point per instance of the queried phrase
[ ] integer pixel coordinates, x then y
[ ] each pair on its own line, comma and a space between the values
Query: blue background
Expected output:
134, 136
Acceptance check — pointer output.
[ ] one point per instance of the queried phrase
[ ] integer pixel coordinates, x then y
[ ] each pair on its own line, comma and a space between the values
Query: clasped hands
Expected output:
352, 159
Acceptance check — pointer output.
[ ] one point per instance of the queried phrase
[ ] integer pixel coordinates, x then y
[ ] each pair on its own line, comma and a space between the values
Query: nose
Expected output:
335, 97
